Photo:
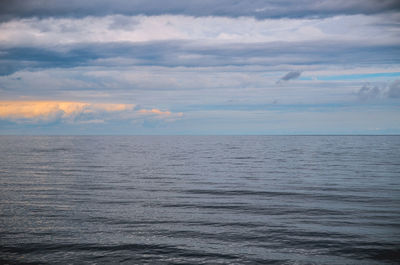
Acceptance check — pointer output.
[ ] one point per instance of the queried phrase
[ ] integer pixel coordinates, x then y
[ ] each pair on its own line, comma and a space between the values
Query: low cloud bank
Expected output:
73, 112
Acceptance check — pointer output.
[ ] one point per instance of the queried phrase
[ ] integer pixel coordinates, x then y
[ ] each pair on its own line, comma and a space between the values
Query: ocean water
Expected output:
200, 199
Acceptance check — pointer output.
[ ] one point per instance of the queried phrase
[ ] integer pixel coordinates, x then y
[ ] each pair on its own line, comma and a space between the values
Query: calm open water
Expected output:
200, 199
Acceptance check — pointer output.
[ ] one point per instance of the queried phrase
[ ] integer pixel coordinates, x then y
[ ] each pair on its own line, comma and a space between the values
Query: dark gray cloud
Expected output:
124, 22
290, 76
191, 54
233, 8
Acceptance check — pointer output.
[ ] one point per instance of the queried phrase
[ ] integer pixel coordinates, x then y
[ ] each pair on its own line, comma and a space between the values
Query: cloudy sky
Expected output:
200, 67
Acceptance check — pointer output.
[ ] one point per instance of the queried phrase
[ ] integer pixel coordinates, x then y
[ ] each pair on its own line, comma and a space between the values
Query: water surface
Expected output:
200, 199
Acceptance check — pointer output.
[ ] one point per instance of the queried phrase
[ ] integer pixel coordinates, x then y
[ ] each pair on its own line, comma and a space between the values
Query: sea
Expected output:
200, 200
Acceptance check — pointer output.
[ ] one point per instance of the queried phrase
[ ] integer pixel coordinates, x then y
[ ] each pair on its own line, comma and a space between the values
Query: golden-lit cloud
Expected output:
83, 112
154, 111
50, 109
168, 115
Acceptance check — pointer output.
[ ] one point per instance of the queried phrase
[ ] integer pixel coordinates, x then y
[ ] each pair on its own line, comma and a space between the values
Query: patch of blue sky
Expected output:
323, 107
258, 107
305, 78
355, 76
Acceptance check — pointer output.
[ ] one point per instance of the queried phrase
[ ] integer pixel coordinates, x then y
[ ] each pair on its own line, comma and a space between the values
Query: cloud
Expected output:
394, 89
368, 92
259, 9
176, 40
160, 115
49, 110
154, 111
79, 112
189, 54
289, 76
177, 56
53, 32
385, 90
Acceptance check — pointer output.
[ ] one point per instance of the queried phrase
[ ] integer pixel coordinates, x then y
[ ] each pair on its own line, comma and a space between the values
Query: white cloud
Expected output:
52, 32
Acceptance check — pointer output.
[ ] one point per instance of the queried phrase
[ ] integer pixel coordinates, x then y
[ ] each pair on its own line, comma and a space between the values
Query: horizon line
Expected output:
199, 135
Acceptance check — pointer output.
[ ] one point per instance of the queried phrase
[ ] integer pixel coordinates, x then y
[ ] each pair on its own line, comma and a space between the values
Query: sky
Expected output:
200, 67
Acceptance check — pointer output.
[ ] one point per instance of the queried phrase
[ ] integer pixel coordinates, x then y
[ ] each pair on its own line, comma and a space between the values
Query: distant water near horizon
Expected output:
200, 199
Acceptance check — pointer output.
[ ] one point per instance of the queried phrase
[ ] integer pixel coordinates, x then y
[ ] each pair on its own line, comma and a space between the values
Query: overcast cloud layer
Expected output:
260, 9
200, 67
